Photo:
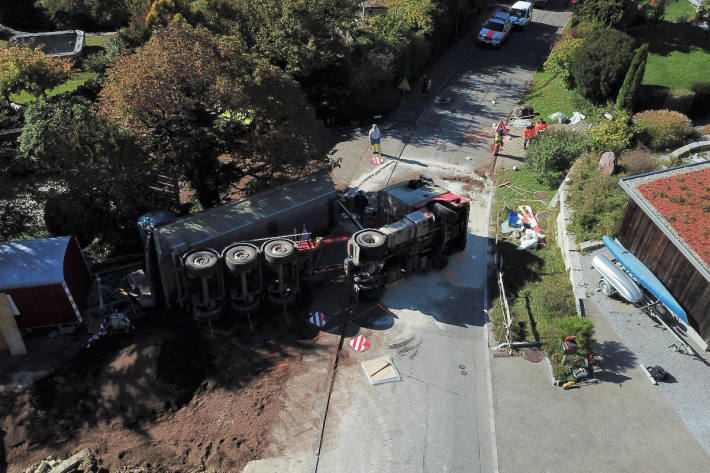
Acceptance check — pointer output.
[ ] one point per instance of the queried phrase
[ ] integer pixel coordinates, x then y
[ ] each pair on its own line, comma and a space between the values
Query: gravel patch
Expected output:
689, 390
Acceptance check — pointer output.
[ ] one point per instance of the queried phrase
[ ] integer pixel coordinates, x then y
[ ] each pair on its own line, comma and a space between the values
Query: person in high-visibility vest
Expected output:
528, 135
541, 126
497, 142
375, 136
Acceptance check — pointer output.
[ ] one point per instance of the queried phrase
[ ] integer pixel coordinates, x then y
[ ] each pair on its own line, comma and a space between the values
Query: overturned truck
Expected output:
262, 248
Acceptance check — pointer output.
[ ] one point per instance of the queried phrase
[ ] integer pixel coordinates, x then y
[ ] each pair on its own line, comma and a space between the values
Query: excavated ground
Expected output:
171, 396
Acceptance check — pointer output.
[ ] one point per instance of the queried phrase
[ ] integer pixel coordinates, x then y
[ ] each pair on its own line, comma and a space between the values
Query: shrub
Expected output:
632, 82
705, 130
599, 67
614, 13
561, 56
596, 198
552, 153
662, 129
612, 135
638, 161
582, 327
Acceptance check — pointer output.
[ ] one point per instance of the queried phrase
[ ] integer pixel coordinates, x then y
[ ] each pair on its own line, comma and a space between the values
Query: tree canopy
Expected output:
105, 177
189, 96
24, 68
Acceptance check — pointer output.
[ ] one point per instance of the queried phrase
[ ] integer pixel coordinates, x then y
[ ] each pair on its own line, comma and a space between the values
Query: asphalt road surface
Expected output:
438, 418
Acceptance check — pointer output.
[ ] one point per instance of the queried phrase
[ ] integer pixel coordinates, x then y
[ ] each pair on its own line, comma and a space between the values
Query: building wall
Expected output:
648, 243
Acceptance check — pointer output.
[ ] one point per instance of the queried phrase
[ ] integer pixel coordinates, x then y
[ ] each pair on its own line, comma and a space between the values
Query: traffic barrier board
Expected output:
360, 343
376, 160
319, 319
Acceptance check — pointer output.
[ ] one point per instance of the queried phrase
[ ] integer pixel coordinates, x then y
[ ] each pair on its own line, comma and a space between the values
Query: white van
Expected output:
521, 14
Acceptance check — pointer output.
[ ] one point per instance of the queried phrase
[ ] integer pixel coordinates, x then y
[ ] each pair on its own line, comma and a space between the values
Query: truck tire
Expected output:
370, 245
241, 257
205, 316
238, 308
439, 261
199, 263
445, 213
279, 251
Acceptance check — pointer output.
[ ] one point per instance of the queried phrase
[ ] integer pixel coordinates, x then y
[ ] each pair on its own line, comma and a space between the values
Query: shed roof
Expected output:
675, 200
32, 262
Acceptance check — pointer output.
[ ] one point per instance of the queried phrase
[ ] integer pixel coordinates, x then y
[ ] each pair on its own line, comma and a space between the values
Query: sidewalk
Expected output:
620, 425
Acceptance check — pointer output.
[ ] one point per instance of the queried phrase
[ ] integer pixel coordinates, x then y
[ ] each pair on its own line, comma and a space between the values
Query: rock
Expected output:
71, 463
525, 110
43, 467
607, 163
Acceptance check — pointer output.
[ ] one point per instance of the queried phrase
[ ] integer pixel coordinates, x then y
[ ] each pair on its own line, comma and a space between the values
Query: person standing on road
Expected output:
528, 135
375, 137
426, 84
361, 203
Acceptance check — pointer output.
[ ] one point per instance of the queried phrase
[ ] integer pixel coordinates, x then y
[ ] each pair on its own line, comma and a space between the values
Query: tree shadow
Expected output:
666, 37
616, 359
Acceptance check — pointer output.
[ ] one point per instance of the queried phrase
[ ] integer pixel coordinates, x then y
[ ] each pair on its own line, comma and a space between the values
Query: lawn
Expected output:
547, 95
77, 79
679, 56
95, 40
678, 9
537, 287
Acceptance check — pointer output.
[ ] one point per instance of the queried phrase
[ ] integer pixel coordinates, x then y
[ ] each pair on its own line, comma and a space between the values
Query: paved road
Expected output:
438, 418
440, 139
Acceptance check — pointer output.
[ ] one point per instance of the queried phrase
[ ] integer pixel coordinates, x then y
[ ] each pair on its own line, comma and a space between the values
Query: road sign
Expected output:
319, 319
360, 343
376, 160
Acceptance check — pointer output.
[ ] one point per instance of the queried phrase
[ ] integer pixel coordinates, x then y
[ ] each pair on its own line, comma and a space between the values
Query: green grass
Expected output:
678, 9
95, 40
679, 56
547, 95
537, 287
77, 79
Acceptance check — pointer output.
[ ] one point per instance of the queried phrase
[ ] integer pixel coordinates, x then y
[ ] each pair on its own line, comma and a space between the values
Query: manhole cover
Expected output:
533, 355
540, 195
381, 370
543, 214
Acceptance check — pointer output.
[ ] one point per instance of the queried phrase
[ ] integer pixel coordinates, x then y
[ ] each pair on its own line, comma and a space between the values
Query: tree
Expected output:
90, 14
613, 13
105, 177
24, 68
599, 67
632, 82
189, 96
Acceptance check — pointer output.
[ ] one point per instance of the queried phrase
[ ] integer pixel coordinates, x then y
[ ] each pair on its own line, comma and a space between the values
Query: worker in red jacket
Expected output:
541, 126
528, 135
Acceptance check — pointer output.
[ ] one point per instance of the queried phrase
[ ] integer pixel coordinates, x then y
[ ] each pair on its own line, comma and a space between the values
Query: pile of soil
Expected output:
166, 398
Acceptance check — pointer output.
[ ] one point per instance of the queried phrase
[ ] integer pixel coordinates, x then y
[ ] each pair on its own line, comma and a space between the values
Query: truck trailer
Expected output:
262, 248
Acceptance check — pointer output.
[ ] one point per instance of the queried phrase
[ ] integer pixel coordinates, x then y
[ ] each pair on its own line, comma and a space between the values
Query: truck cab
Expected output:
521, 14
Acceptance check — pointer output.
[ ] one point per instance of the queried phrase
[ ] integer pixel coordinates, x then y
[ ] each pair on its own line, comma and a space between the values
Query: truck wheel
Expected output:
445, 213
199, 263
241, 257
370, 245
439, 261
279, 251
207, 315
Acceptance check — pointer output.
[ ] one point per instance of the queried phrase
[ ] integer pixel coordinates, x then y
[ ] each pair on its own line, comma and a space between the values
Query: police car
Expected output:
495, 31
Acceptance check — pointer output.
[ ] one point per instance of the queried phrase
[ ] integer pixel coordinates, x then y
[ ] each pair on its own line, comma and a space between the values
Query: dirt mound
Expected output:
161, 398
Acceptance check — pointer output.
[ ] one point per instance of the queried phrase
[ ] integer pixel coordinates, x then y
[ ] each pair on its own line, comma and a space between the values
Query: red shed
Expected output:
48, 280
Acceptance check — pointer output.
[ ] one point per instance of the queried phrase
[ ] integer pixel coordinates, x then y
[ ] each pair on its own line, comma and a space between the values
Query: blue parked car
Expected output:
495, 31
